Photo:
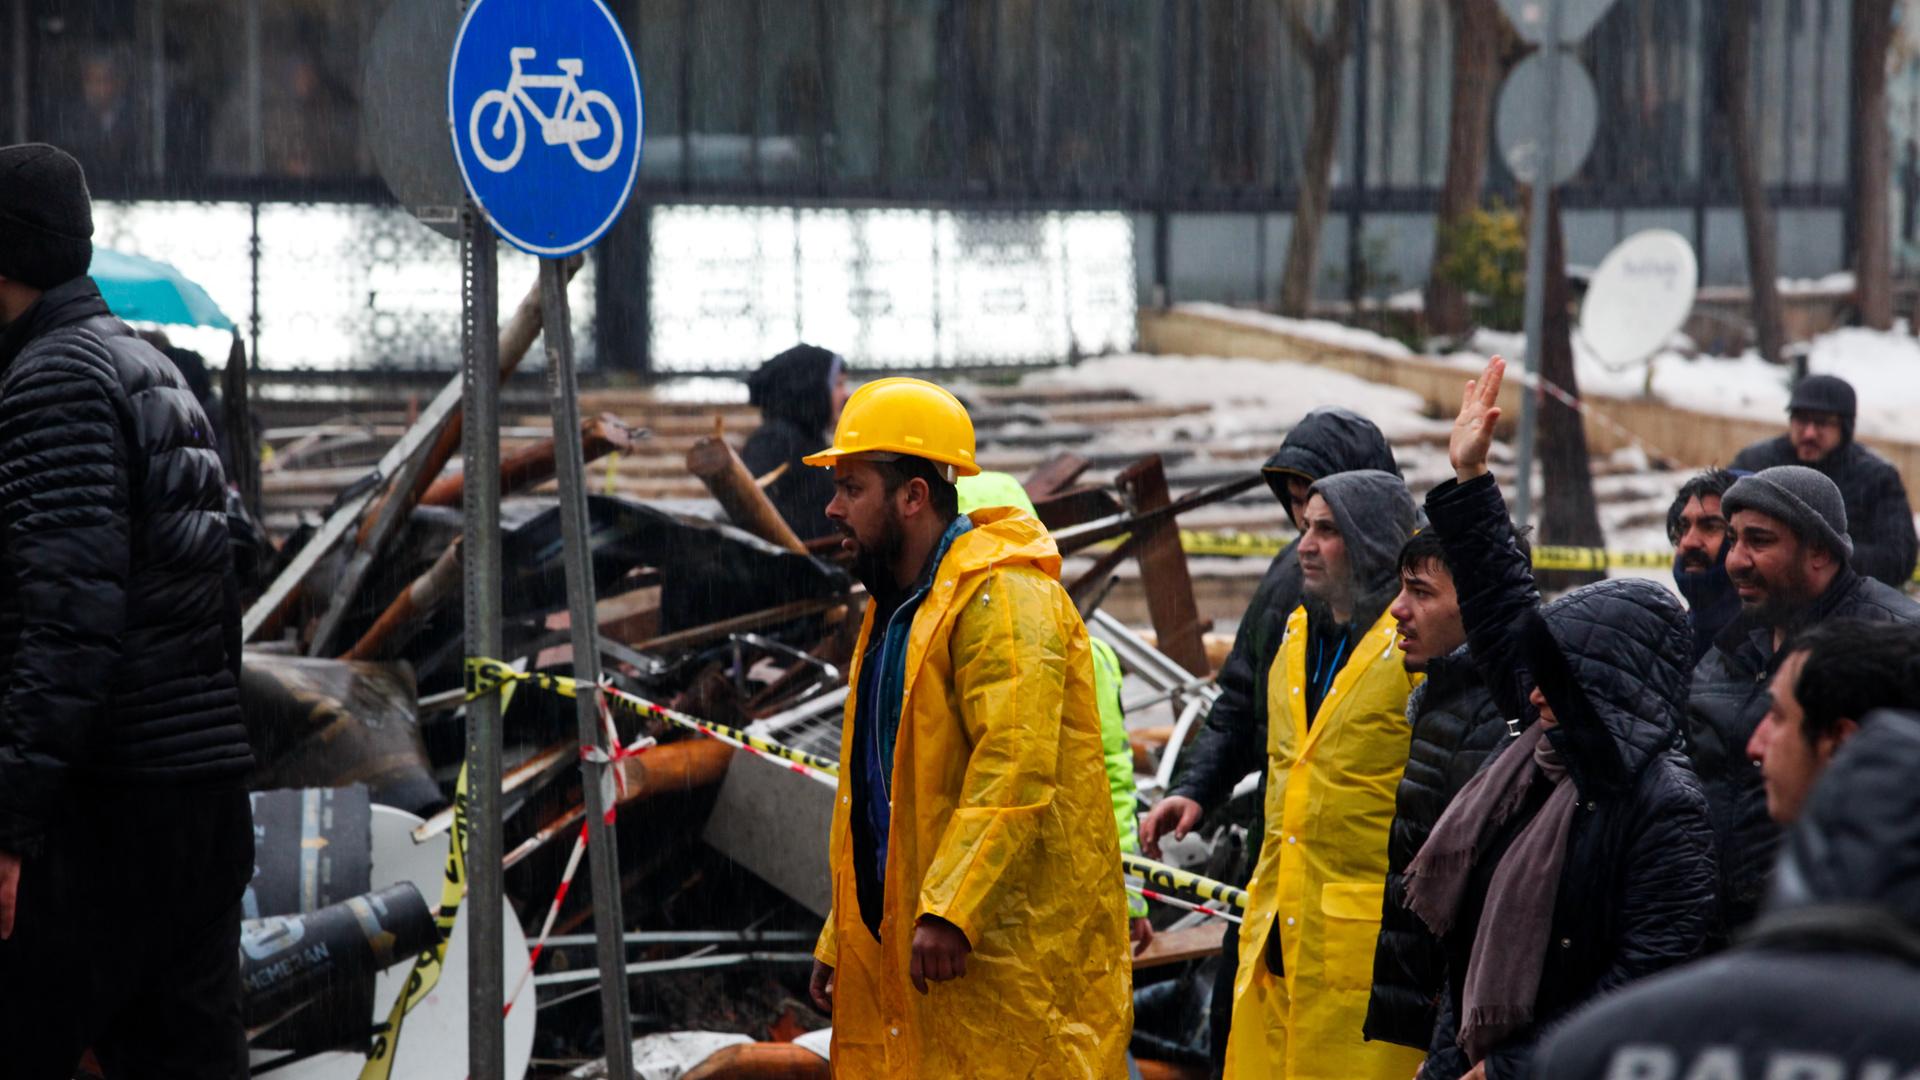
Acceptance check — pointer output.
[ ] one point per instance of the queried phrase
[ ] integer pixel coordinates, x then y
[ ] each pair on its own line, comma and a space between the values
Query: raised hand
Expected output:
1473, 429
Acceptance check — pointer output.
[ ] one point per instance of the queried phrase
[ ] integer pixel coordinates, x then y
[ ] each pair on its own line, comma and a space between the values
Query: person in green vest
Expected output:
1001, 489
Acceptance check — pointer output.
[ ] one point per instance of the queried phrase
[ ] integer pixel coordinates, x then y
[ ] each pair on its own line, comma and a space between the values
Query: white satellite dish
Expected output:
1641, 294
433, 1045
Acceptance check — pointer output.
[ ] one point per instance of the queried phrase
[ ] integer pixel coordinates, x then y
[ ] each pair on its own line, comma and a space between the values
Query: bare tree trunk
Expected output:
1479, 27
1736, 77
1568, 515
1325, 58
1872, 163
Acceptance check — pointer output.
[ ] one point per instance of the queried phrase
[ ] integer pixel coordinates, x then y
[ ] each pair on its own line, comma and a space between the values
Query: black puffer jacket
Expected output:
119, 617
1879, 519
1233, 742
1826, 983
1455, 727
1636, 894
1729, 699
794, 392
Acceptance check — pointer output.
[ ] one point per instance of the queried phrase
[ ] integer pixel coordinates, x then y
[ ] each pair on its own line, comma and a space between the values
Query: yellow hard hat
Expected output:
905, 416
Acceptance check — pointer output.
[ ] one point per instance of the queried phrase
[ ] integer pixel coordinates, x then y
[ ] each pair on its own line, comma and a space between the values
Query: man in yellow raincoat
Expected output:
1337, 743
979, 924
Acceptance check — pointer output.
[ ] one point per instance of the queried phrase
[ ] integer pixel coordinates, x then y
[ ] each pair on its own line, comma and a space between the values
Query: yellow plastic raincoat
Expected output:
1002, 825
1322, 869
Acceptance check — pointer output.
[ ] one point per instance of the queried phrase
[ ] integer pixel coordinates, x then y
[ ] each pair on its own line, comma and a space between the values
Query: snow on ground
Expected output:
1252, 400
1884, 368
1322, 330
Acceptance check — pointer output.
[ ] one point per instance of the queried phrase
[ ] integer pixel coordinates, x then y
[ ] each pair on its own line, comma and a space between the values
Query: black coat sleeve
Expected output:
1232, 742
1884, 545
1492, 578
65, 545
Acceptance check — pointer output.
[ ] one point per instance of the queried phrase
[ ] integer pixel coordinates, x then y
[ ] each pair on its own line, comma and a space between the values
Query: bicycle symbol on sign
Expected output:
572, 122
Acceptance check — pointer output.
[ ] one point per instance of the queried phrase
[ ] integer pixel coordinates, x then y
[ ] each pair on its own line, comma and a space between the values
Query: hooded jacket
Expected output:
1879, 518
119, 615
794, 393
1232, 743
1001, 824
1455, 726
1313, 906
1728, 700
1825, 984
1636, 893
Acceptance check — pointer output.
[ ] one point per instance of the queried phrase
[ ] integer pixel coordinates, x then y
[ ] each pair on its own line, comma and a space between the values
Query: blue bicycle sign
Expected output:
561, 68
576, 120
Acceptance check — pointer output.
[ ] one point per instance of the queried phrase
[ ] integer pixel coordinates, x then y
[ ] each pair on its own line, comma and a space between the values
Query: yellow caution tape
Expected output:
428, 965
1545, 557
486, 676
1182, 881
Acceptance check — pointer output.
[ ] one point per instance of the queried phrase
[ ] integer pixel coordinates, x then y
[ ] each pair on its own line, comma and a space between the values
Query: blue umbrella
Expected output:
140, 289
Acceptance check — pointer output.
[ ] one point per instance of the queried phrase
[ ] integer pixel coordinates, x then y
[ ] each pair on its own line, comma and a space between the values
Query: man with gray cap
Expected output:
1820, 436
1790, 565
126, 838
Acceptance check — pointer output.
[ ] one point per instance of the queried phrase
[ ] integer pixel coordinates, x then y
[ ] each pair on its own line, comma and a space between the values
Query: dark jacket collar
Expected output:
63, 305
1748, 641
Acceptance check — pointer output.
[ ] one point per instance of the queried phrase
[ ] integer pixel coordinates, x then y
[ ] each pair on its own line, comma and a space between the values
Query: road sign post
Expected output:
545, 116
1546, 123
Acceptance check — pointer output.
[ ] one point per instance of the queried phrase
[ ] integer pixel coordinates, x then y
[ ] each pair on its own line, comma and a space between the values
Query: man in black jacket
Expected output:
1834, 674
1600, 676
125, 835
1455, 724
1825, 984
799, 394
1820, 435
1697, 528
1233, 742
1790, 564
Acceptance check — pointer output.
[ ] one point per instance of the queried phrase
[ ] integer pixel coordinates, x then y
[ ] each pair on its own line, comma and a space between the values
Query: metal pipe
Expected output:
687, 937
596, 775
481, 573
654, 967
1536, 317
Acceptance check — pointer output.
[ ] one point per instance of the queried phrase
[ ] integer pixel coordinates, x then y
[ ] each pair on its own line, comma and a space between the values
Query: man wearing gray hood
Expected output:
1336, 746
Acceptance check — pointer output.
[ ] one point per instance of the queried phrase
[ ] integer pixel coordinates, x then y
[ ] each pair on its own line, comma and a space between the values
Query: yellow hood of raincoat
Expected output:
1002, 825
1318, 887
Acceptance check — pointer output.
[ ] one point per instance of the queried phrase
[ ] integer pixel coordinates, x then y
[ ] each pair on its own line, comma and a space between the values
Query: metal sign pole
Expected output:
480, 554
596, 778
1542, 193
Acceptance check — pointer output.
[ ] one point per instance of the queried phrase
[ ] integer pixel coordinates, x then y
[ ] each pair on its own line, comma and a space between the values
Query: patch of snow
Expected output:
1249, 397
1884, 368
1324, 331
1841, 282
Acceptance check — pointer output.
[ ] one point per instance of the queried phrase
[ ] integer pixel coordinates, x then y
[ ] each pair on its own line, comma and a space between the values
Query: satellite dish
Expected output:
433, 1044
1641, 294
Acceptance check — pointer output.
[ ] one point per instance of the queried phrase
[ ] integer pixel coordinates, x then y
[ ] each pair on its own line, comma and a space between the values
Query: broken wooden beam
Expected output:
528, 466
746, 505
413, 607
1163, 566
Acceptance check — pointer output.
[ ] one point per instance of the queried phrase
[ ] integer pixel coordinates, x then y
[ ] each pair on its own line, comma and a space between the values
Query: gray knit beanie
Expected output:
1804, 498
46, 216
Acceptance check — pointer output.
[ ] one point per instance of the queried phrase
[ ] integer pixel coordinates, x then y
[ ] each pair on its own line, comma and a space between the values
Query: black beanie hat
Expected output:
46, 216
1826, 394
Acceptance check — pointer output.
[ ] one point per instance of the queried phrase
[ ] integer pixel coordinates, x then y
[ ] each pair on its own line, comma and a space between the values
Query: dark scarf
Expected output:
1516, 922
1712, 601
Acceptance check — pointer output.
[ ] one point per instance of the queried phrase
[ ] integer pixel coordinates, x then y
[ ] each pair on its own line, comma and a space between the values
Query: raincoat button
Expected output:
895, 1032
1293, 839
1566, 943
1589, 804
1289, 920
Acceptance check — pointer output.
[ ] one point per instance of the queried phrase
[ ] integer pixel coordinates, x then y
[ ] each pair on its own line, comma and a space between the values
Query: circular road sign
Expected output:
1641, 293
1533, 19
405, 122
543, 101
1521, 121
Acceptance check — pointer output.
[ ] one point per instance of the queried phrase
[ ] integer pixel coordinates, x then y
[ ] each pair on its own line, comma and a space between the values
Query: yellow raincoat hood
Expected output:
1001, 825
